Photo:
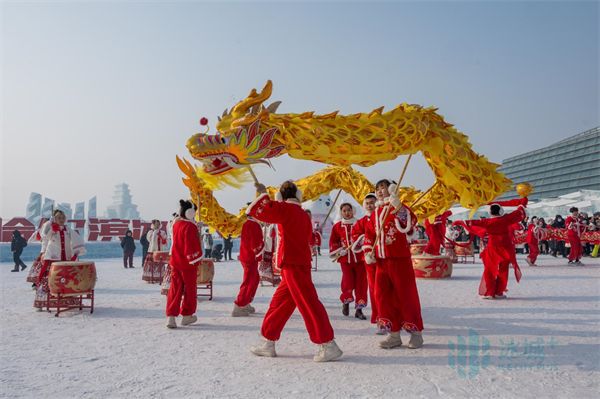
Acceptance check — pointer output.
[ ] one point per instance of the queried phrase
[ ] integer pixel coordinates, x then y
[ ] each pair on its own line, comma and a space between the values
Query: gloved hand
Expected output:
343, 252
370, 258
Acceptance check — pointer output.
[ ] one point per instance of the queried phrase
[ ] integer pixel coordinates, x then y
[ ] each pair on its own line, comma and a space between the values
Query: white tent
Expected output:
586, 200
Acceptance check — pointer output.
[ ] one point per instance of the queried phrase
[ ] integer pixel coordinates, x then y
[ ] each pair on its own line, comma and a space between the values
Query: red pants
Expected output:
354, 279
534, 251
183, 285
297, 290
397, 295
495, 283
371, 269
575, 242
249, 284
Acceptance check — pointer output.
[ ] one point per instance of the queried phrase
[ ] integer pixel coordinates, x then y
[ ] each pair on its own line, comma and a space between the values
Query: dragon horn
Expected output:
272, 108
224, 113
253, 98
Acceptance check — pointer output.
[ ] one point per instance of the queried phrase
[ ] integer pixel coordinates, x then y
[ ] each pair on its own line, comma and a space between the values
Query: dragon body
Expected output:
253, 133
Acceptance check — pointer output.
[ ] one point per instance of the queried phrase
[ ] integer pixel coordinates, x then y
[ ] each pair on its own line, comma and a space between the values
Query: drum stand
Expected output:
208, 286
72, 301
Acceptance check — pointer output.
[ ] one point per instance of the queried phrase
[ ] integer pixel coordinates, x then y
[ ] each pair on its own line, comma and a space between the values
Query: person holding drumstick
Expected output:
186, 253
62, 244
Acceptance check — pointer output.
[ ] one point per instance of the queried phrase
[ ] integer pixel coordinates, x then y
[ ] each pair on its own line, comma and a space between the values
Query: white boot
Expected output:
250, 309
393, 340
328, 352
187, 320
416, 340
239, 311
171, 322
266, 349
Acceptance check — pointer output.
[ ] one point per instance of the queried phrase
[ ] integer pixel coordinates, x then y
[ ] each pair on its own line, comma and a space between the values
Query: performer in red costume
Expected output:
354, 277
534, 234
296, 288
574, 230
499, 252
396, 288
186, 253
61, 244
251, 248
358, 236
317, 238
436, 232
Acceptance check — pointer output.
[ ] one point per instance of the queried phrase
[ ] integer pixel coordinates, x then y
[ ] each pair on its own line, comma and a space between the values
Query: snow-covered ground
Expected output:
541, 342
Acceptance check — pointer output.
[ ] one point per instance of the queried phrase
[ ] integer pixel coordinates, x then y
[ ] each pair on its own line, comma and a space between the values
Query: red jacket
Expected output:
316, 238
392, 243
341, 239
186, 249
251, 242
574, 227
293, 226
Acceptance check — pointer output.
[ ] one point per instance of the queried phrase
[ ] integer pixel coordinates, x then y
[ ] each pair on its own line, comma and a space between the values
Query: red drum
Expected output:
464, 250
417, 249
153, 269
206, 271
161, 256
71, 278
67, 286
204, 278
428, 266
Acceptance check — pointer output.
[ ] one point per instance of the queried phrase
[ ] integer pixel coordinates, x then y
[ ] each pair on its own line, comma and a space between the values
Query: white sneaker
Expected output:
265, 349
393, 340
416, 340
187, 320
250, 308
171, 322
328, 352
488, 297
239, 311
501, 296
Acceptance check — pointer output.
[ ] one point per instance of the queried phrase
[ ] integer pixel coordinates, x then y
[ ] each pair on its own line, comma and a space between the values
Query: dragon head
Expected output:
239, 140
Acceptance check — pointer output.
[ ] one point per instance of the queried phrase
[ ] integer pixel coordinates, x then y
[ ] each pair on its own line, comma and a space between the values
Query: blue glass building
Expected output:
569, 165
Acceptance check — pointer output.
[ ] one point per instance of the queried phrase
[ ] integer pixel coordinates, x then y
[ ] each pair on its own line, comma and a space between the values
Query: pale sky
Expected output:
98, 93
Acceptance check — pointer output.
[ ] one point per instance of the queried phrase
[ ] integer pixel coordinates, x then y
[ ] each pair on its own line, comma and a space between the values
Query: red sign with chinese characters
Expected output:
97, 229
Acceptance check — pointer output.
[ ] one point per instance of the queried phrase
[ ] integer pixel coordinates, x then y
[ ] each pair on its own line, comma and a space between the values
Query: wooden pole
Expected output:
331, 209
420, 197
386, 211
253, 174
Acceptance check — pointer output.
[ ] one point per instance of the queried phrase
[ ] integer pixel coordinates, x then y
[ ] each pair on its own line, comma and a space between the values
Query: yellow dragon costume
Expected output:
253, 133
